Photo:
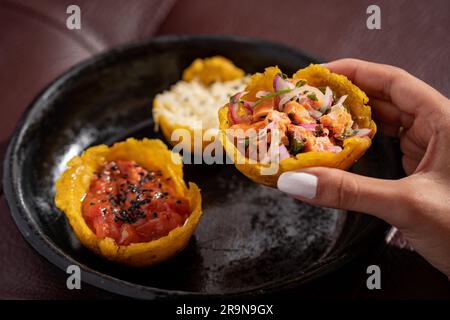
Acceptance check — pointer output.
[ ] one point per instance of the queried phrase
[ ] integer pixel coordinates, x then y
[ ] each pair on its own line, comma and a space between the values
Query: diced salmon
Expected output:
321, 144
263, 109
281, 121
278, 117
311, 142
298, 113
301, 135
338, 120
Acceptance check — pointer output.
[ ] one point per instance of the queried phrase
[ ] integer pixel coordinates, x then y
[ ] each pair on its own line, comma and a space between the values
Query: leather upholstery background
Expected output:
36, 47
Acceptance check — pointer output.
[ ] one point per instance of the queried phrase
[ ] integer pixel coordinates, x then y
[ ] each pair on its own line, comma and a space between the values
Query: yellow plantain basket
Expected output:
206, 71
318, 76
74, 183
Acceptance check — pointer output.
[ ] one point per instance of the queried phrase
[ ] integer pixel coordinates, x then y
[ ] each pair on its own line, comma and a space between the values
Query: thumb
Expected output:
340, 189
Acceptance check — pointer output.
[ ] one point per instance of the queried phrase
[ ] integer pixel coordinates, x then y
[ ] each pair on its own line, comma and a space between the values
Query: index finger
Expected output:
386, 82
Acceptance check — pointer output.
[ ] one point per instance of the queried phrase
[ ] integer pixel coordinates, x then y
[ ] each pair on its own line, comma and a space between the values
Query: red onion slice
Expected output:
319, 95
362, 132
340, 101
262, 93
233, 107
309, 126
316, 114
335, 149
284, 153
281, 84
327, 100
249, 106
285, 98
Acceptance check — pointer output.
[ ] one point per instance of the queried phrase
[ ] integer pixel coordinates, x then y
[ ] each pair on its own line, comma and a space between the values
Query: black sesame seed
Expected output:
140, 213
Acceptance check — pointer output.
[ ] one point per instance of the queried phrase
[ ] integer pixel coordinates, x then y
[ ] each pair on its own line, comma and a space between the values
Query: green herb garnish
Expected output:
246, 142
335, 98
291, 116
300, 83
296, 146
347, 134
312, 96
271, 95
319, 130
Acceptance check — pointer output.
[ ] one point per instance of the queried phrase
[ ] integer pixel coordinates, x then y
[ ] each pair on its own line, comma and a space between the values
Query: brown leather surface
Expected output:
413, 33
35, 47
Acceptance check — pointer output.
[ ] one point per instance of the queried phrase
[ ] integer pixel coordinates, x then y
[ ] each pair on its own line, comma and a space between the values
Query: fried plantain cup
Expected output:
206, 72
74, 183
213, 69
318, 76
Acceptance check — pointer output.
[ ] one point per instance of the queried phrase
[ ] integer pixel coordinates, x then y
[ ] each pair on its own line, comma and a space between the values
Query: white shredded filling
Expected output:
194, 104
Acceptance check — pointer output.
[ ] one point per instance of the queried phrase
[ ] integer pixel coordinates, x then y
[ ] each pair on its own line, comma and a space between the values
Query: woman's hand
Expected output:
419, 204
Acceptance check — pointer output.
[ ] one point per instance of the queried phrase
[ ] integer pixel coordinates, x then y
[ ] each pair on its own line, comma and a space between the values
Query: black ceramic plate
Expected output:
251, 239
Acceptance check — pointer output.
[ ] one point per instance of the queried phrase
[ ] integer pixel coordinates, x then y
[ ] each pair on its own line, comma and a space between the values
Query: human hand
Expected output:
419, 204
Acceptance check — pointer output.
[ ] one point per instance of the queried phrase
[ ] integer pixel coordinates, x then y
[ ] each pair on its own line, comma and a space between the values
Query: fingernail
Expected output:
298, 184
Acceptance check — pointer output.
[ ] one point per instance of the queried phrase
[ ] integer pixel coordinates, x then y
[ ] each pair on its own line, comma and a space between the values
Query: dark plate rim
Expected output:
46, 248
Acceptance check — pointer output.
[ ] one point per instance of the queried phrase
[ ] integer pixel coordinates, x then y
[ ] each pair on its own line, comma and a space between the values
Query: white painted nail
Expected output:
298, 184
